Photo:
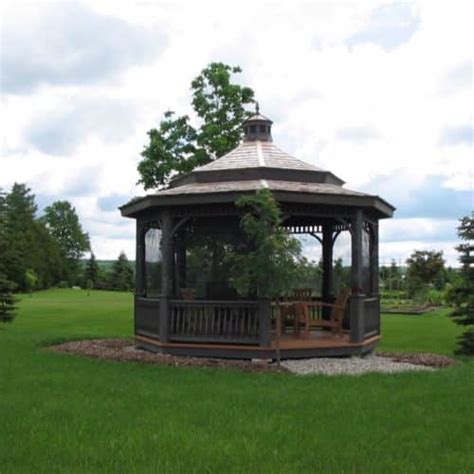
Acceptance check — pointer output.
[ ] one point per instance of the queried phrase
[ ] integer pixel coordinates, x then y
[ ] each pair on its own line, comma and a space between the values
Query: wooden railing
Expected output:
214, 321
371, 316
147, 315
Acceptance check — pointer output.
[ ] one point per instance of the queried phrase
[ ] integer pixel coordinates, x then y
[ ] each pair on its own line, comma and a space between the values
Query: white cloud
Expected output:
365, 111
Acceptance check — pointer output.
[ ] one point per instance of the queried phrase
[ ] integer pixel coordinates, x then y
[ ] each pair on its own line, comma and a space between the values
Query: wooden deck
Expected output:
316, 344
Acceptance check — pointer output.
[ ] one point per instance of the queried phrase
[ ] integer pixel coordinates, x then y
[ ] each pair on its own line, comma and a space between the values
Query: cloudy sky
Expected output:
380, 93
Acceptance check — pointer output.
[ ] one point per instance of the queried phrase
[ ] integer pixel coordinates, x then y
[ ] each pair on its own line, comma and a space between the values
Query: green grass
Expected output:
67, 414
429, 332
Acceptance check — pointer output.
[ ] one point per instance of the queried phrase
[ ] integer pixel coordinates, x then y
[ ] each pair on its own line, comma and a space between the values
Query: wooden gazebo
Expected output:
185, 305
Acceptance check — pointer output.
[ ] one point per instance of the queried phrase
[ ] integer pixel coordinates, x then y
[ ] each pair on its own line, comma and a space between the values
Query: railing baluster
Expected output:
214, 321
224, 325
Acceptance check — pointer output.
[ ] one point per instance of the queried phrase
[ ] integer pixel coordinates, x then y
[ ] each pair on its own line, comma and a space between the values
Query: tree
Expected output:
462, 295
395, 275
177, 147
25, 243
31, 280
342, 276
424, 266
269, 261
91, 273
64, 226
121, 278
7, 301
310, 274
220, 104
18, 235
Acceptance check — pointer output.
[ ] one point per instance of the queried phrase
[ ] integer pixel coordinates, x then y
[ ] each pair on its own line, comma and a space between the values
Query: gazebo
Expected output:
184, 303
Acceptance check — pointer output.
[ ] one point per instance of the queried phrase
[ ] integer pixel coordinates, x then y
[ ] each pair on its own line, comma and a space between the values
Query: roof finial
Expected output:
257, 108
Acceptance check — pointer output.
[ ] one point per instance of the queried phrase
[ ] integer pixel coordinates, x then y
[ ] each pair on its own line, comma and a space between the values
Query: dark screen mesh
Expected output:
153, 262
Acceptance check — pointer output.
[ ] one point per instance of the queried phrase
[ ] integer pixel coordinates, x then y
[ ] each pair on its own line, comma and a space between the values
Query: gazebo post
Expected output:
374, 269
166, 272
357, 298
327, 286
374, 259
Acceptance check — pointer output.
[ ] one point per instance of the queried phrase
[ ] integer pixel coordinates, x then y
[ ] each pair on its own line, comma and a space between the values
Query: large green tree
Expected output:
26, 242
63, 224
269, 262
462, 295
177, 147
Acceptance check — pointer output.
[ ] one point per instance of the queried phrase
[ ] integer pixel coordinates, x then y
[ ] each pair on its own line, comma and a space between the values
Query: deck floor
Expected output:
314, 339
316, 344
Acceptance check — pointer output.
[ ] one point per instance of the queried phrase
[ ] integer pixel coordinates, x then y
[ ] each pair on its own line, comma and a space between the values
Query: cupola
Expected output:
257, 127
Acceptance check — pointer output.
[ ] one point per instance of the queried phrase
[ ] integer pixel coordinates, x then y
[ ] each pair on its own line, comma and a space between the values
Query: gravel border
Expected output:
351, 366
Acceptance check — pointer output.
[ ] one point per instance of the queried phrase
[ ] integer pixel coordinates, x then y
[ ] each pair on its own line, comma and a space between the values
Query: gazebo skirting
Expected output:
246, 329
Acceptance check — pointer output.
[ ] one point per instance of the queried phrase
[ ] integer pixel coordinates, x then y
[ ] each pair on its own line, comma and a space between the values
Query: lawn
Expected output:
67, 414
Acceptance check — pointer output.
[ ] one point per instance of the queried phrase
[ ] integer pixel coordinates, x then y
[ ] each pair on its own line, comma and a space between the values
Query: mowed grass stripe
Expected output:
63, 413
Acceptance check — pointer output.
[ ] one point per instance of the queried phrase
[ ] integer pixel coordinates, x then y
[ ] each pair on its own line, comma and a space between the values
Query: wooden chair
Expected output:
296, 312
338, 309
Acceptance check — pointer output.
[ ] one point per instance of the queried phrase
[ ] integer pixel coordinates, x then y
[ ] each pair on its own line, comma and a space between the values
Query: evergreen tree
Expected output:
19, 216
91, 272
121, 278
45, 256
7, 300
462, 295
394, 276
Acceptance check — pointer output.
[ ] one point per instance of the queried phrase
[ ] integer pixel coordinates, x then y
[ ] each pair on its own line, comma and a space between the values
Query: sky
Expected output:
380, 93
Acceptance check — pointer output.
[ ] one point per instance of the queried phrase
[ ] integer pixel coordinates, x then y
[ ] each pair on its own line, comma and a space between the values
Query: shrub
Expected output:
435, 297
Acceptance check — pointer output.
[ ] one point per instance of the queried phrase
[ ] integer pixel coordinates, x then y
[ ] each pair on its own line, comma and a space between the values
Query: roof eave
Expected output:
140, 205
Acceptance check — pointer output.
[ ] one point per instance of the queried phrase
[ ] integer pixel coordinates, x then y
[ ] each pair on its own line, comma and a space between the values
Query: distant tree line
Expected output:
38, 252
425, 273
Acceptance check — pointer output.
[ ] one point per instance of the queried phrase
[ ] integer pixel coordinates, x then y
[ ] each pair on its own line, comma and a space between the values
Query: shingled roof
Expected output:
255, 154
256, 158
256, 164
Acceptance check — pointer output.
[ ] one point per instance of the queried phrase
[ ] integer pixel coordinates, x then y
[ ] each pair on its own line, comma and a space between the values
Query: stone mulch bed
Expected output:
124, 350
420, 358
